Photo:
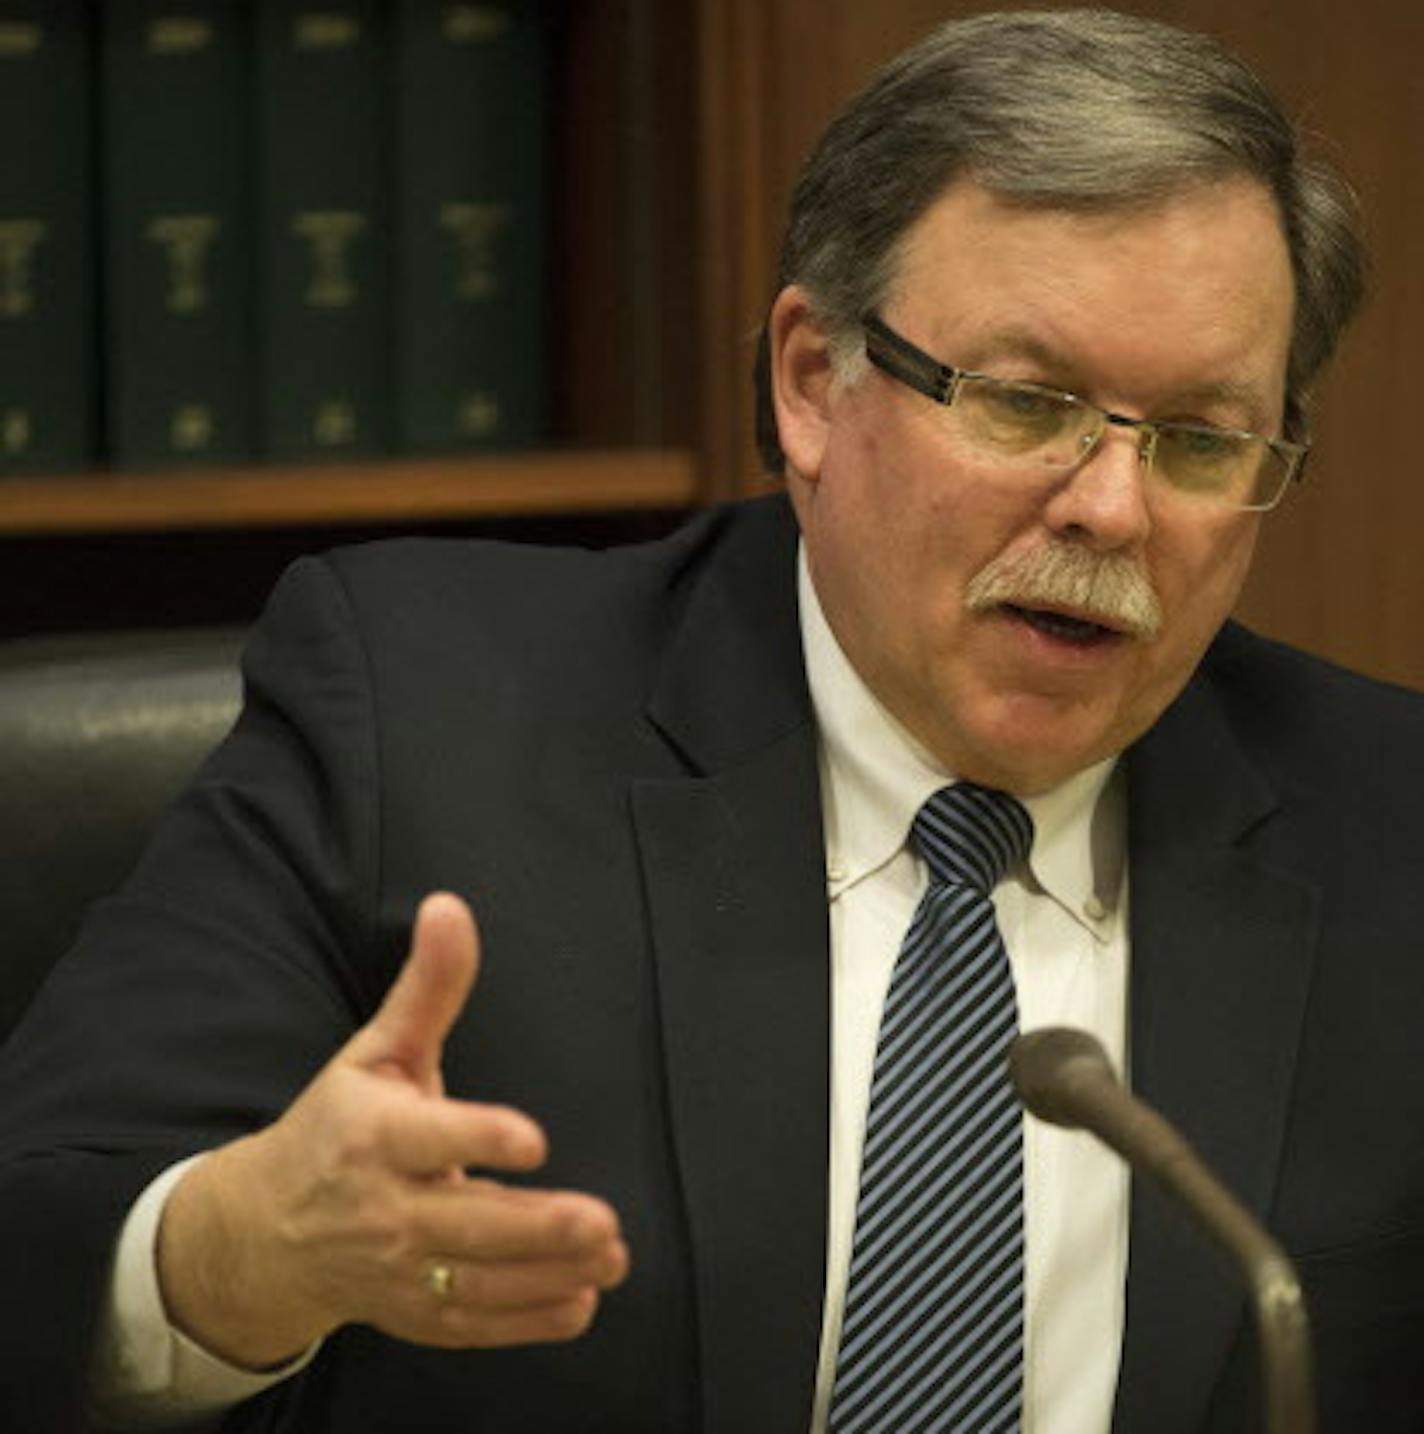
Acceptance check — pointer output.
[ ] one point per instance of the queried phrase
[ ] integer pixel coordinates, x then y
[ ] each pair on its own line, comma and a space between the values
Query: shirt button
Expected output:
1093, 909
836, 872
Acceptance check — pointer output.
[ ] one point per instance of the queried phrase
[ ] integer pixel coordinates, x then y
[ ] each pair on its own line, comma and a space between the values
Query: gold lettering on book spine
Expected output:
19, 39
334, 423
180, 35
330, 237
19, 239
191, 428
15, 431
186, 241
473, 24
477, 414
323, 30
475, 230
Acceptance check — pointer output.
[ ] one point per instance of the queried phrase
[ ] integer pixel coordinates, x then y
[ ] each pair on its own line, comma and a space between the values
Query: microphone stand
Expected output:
1064, 1076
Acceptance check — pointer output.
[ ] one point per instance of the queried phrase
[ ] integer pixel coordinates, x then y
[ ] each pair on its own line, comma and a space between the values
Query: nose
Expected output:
1102, 502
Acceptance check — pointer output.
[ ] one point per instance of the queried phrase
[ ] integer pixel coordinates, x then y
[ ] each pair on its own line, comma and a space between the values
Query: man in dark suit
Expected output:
659, 776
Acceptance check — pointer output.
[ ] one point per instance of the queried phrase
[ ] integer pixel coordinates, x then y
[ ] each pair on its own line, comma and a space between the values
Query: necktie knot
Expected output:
972, 835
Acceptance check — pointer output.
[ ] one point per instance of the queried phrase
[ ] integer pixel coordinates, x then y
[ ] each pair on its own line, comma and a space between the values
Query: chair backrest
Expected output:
98, 733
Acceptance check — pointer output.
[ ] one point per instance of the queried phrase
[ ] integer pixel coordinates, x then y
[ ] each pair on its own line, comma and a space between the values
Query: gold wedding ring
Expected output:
440, 1280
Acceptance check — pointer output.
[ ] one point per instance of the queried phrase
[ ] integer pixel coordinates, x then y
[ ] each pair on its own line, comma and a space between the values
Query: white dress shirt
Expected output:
1063, 920
146, 1372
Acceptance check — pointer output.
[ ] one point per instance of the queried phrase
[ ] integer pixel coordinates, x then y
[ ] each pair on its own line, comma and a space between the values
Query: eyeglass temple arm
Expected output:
901, 359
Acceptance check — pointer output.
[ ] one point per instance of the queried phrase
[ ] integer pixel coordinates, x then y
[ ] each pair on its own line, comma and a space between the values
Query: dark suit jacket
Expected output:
613, 757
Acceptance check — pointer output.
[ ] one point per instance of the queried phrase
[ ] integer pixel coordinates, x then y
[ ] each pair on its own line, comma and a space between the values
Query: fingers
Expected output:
367, 1174
508, 1286
456, 1325
430, 1137
517, 1266
483, 1220
406, 1037
427, 996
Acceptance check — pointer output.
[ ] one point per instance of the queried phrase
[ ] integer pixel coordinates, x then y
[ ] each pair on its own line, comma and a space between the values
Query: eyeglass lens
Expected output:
1037, 428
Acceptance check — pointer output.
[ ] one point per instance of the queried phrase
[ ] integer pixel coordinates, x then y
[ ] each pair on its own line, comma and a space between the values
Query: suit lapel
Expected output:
733, 862
1223, 939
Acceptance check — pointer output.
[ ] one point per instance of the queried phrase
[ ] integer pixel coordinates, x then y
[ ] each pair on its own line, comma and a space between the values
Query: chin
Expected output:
1032, 753
1027, 773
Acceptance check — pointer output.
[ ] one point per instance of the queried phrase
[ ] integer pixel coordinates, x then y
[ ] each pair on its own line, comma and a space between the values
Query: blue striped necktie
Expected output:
932, 1338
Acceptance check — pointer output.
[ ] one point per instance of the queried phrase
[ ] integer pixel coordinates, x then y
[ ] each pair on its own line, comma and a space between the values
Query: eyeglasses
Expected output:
1030, 428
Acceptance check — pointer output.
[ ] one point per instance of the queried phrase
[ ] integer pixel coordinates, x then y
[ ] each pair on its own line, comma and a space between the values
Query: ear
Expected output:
801, 381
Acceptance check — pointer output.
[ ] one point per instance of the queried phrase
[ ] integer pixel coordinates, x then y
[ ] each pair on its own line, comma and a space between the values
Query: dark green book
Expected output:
47, 326
472, 309
179, 300
323, 199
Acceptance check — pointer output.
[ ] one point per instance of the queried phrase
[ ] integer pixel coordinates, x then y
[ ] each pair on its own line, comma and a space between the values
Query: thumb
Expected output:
427, 996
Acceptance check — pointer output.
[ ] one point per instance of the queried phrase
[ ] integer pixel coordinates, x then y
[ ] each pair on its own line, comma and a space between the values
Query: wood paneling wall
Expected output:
1339, 569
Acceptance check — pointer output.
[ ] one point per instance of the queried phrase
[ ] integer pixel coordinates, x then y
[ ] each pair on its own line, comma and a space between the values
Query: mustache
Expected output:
1108, 587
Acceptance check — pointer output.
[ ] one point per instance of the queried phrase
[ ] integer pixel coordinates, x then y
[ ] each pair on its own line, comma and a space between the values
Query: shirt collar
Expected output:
876, 776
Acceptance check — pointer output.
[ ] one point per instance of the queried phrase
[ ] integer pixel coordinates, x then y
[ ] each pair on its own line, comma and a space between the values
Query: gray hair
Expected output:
1072, 110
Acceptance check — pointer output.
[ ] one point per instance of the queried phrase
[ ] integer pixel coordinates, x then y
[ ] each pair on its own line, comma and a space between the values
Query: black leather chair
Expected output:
98, 733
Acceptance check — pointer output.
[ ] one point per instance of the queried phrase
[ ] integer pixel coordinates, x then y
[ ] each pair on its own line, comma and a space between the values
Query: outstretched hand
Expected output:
355, 1206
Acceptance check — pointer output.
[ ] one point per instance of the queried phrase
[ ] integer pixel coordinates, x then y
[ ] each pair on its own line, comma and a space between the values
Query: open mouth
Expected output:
1080, 631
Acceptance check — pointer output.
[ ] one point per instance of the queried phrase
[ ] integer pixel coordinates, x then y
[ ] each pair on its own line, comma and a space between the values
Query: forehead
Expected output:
1196, 288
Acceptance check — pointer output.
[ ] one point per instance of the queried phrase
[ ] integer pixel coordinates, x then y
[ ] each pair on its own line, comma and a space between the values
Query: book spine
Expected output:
473, 212
322, 125
179, 331
47, 325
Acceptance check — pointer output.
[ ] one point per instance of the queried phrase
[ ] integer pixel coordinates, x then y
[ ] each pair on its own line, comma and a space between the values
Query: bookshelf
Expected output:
627, 415
395, 490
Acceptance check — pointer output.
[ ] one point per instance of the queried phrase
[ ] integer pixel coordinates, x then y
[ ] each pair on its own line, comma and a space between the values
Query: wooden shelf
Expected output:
394, 490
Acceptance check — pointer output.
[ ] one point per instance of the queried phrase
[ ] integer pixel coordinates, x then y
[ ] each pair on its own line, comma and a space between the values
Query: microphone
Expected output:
1064, 1076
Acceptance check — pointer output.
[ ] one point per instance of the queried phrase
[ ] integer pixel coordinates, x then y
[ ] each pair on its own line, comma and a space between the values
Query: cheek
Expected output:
881, 510
910, 525
1200, 577
936, 506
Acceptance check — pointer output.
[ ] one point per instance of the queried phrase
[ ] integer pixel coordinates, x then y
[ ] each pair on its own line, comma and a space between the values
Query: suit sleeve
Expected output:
238, 957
